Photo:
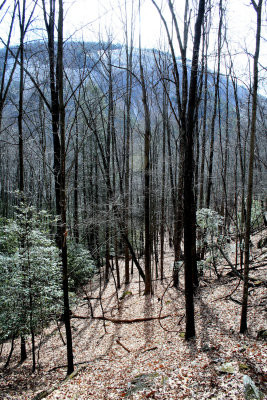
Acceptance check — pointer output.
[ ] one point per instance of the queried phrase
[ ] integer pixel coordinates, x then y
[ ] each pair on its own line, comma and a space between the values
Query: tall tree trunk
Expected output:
216, 93
147, 171
129, 60
203, 144
148, 241
162, 219
22, 9
243, 323
63, 203
76, 176
224, 204
49, 19
189, 198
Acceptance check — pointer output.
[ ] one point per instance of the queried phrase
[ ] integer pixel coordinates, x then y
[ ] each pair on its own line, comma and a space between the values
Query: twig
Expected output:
236, 301
122, 345
150, 349
161, 307
228, 295
79, 363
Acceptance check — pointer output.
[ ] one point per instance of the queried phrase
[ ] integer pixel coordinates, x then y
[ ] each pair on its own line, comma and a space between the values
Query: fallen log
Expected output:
122, 321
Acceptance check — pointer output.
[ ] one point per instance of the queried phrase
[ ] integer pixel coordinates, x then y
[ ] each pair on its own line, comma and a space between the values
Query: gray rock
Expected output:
250, 389
141, 382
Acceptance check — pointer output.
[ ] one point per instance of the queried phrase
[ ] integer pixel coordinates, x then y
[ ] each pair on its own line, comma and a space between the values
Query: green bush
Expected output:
30, 275
209, 227
80, 265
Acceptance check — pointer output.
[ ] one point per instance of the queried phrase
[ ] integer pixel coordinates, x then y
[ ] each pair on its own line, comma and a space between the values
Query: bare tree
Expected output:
186, 109
258, 9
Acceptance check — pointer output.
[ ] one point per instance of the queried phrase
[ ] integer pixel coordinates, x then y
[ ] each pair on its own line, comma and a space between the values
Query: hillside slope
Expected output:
150, 359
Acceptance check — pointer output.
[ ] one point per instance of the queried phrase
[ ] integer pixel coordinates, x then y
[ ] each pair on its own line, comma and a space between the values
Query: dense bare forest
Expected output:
133, 205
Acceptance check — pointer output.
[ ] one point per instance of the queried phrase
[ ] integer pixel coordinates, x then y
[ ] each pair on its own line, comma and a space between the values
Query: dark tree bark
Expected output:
127, 133
23, 26
7, 76
189, 198
76, 177
57, 109
203, 144
63, 205
49, 18
162, 219
147, 168
243, 322
216, 93
21, 9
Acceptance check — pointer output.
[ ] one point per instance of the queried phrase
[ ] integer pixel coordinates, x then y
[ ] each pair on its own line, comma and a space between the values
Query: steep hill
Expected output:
138, 350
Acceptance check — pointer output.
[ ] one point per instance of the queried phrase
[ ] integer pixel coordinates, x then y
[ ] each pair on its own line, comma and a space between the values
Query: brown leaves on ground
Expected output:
113, 356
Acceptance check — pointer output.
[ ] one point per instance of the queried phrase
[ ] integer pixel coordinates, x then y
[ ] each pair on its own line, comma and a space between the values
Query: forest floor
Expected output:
151, 359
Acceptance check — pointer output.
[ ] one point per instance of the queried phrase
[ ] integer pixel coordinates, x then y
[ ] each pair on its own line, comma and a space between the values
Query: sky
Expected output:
93, 19
107, 16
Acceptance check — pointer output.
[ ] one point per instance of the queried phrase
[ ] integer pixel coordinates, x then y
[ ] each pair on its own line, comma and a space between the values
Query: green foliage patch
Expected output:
30, 274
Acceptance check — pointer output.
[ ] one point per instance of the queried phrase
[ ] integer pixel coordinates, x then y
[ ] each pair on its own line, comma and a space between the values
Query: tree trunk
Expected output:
189, 198
216, 93
147, 170
243, 323
76, 176
62, 182
162, 220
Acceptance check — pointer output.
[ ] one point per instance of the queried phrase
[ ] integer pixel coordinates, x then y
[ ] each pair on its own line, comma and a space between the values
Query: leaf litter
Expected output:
114, 357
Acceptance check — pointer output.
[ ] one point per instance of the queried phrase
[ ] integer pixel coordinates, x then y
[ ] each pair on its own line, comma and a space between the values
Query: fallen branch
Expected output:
79, 363
122, 345
229, 295
91, 298
236, 301
122, 321
45, 393
150, 349
237, 273
258, 266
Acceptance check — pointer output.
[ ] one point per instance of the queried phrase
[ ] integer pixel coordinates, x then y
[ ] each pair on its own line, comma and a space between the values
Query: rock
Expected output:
141, 382
226, 368
250, 389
